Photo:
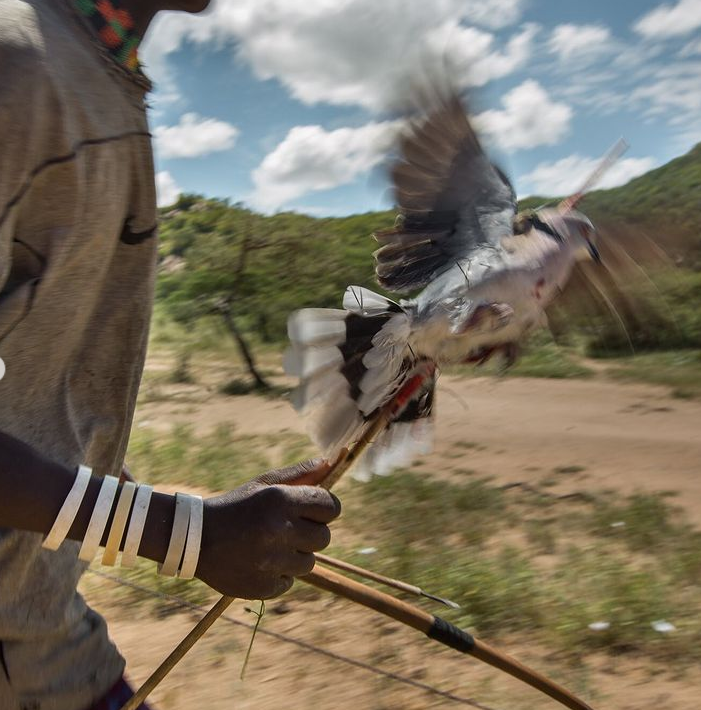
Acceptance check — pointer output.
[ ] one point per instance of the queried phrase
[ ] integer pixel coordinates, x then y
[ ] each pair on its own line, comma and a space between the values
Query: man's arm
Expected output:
255, 539
33, 489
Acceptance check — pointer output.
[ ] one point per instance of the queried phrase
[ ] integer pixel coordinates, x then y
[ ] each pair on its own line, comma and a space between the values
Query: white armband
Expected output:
194, 538
178, 536
136, 525
99, 518
119, 523
69, 509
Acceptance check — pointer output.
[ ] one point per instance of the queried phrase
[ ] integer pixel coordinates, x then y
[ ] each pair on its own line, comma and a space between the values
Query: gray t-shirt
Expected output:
77, 264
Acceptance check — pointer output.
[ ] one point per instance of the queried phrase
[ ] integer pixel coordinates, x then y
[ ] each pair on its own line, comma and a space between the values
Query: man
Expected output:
77, 266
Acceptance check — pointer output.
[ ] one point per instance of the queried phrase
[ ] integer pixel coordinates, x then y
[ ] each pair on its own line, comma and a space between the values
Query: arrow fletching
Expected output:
613, 154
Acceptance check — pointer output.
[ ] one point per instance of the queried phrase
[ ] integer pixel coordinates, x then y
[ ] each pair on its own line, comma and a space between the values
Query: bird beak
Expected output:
594, 252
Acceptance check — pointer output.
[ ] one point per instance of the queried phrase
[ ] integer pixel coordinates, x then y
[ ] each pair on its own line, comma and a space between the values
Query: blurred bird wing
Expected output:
453, 201
618, 298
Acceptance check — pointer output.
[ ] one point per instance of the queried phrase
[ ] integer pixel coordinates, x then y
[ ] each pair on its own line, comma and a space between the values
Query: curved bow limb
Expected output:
440, 630
432, 626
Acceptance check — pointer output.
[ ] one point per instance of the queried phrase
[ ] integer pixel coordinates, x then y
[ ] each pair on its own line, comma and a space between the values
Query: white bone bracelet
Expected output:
194, 538
119, 523
178, 536
69, 509
136, 525
98, 519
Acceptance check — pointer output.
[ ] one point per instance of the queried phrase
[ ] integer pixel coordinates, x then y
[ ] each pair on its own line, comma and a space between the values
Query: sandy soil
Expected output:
624, 437
283, 675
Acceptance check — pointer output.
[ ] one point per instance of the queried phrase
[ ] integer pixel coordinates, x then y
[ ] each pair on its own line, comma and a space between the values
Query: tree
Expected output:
216, 244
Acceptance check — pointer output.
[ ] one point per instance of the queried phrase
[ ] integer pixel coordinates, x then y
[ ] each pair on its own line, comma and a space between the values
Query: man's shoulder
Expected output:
36, 37
16, 11
21, 42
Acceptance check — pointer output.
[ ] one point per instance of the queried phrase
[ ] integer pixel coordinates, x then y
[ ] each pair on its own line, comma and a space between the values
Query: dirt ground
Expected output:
622, 437
626, 437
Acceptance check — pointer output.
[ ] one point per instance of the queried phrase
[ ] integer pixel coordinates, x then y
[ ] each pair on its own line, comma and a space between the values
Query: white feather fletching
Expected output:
317, 326
323, 395
327, 384
398, 446
383, 361
337, 426
368, 402
364, 302
377, 378
304, 363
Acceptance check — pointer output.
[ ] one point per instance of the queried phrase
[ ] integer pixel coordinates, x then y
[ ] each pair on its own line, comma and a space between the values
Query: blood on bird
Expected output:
538, 287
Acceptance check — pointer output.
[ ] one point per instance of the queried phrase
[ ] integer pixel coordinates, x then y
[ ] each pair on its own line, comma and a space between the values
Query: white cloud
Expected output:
163, 38
472, 54
494, 14
674, 90
311, 158
194, 136
691, 49
529, 118
581, 42
670, 20
349, 52
566, 176
641, 78
167, 190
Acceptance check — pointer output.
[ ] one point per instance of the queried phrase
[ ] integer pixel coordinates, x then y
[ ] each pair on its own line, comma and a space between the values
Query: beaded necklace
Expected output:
114, 26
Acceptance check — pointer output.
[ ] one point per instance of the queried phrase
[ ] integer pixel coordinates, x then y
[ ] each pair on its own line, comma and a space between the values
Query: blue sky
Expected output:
293, 104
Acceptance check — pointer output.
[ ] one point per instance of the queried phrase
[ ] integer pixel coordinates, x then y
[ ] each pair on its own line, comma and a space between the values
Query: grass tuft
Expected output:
218, 460
678, 370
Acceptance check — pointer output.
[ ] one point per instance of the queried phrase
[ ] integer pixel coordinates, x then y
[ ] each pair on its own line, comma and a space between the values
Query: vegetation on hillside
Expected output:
250, 271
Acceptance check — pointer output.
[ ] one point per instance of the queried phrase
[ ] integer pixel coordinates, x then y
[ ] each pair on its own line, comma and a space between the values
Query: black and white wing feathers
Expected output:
452, 200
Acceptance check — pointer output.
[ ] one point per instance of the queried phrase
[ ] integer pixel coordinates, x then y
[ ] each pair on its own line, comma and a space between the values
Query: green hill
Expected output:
665, 202
219, 259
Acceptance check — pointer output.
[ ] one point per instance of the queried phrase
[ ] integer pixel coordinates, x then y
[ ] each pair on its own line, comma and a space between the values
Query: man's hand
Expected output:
255, 539
260, 536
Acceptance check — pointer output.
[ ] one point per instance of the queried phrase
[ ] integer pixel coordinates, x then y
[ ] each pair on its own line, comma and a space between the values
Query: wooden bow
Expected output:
432, 626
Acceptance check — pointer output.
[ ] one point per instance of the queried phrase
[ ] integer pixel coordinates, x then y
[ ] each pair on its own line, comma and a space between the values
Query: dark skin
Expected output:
144, 11
255, 539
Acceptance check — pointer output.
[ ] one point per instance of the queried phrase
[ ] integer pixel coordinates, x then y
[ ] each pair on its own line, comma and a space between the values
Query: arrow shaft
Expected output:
178, 653
613, 154
368, 574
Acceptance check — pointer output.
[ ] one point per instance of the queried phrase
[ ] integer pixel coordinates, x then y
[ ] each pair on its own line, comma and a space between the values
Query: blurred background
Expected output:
561, 507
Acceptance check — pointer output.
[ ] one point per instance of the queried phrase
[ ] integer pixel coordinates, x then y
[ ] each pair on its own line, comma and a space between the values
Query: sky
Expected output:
296, 104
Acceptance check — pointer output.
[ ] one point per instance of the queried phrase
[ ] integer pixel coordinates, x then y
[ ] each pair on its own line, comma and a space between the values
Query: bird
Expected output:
478, 276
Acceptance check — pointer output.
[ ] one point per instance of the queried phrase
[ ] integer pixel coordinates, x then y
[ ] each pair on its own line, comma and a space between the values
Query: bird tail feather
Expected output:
349, 362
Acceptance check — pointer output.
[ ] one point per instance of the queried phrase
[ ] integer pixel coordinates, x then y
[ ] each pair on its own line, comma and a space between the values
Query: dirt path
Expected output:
284, 675
624, 437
